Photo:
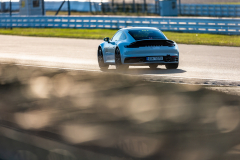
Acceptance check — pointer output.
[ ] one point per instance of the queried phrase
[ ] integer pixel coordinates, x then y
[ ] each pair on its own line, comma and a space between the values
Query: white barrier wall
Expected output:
229, 26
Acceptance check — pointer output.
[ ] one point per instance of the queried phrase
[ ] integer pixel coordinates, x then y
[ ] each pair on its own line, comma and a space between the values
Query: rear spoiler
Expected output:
150, 42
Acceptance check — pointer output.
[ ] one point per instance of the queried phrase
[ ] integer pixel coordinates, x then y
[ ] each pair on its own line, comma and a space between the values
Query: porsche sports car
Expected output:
138, 46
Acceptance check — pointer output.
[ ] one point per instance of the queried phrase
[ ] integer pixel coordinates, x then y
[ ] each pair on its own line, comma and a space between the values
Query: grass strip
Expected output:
183, 38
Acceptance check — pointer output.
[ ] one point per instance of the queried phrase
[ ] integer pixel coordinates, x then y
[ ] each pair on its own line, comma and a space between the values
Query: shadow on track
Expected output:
147, 71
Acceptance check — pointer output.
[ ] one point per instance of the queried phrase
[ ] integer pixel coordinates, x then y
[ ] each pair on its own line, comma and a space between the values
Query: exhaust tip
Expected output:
141, 60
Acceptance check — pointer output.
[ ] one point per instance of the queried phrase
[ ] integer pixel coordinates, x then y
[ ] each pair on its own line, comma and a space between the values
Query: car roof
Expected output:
137, 28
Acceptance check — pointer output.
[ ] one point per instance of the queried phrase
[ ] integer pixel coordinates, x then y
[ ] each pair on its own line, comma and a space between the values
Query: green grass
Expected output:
184, 38
65, 33
205, 39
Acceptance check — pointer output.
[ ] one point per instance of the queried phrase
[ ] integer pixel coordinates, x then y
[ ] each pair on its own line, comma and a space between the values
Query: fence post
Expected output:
60, 8
69, 9
112, 5
156, 6
10, 8
10, 14
179, 3
124, 9
43, 8
90, 6
145, 6
133, 6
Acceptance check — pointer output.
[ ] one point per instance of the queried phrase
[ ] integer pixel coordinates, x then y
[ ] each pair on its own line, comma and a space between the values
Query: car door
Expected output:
112, 46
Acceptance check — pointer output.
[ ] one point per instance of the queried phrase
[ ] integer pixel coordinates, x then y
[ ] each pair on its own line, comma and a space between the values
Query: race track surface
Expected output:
215, 63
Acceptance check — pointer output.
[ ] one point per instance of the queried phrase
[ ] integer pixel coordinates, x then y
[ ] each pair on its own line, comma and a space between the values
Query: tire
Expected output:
118, 61
153, 66
172, 66
101, 63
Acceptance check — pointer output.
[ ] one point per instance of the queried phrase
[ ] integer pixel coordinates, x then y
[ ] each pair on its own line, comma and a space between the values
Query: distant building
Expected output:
31, 7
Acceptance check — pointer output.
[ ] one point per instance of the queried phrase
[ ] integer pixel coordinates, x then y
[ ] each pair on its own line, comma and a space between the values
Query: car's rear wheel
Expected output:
118, 61
101, 63
153, 66
172, 66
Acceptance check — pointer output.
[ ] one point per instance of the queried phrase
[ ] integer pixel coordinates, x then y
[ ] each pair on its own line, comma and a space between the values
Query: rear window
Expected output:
146, 34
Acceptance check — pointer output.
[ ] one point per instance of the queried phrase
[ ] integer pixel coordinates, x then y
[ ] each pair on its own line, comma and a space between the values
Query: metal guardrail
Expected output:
229, 26
210, 10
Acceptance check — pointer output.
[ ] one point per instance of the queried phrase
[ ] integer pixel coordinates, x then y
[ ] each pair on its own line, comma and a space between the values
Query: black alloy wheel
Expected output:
172, 66
118, 61
153, 66
101, 63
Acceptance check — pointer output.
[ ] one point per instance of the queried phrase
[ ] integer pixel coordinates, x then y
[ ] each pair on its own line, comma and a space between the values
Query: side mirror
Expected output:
106, 39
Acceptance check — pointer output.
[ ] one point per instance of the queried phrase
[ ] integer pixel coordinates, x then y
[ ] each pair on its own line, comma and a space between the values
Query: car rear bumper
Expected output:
143, 61
137, 56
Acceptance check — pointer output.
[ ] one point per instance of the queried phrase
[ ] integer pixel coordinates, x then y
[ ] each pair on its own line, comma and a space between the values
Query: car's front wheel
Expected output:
118, 61
172, 66
101, 63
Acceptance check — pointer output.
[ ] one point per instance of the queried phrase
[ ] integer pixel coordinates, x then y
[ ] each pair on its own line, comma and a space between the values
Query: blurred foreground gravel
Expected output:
50, 114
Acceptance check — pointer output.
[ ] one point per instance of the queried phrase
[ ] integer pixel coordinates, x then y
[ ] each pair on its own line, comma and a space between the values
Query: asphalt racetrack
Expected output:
197, 62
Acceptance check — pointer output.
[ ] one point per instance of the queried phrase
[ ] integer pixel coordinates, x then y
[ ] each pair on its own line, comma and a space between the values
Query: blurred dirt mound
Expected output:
123, 117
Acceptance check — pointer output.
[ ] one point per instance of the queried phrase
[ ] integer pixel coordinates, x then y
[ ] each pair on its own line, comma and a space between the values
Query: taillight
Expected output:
131, 46
171, 45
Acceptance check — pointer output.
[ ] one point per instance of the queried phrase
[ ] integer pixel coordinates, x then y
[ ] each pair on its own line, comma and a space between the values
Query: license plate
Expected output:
154, 58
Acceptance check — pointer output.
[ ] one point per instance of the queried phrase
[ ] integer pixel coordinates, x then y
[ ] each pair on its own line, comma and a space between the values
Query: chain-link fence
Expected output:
209, 1
132, 6
141, 7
